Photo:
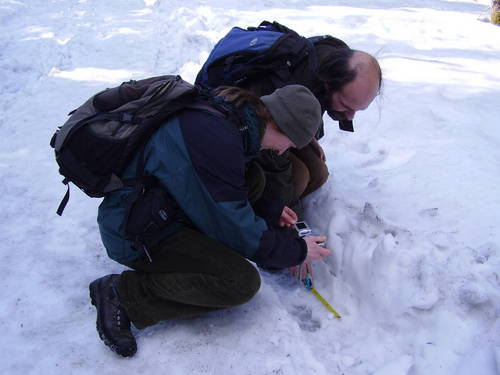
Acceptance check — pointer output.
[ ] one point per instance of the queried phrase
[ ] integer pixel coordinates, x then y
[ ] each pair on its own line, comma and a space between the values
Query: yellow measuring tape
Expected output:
308, 284
324, 302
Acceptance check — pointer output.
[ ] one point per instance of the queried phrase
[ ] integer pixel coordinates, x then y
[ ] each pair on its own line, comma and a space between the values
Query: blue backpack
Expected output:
268, 48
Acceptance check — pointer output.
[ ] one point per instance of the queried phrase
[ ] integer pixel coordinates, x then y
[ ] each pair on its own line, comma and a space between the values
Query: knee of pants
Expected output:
316, 180
301, 180
300, 176
247, 286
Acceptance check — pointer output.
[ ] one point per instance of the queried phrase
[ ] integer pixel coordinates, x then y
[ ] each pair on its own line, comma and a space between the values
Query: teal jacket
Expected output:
199, 157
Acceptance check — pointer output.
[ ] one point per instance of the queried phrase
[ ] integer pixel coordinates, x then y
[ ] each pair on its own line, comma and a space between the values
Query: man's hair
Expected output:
334, 69
240, 97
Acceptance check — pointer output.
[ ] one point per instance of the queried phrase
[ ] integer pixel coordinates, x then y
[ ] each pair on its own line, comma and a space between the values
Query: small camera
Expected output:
302, 228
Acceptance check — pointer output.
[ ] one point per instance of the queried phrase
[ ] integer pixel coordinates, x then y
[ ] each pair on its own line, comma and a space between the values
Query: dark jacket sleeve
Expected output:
269, 209
279, 249
201, 163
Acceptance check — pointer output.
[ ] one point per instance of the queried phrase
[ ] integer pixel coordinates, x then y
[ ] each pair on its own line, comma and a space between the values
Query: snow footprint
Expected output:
379, 158
303, 315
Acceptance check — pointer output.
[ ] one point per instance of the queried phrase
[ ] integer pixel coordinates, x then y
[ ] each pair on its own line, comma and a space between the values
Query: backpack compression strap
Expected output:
65, 199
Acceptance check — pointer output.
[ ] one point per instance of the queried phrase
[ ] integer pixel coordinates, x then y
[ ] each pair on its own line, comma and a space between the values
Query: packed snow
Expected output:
411, 208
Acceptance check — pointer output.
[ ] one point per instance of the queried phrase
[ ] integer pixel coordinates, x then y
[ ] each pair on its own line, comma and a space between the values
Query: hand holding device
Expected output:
315, 244
288, 217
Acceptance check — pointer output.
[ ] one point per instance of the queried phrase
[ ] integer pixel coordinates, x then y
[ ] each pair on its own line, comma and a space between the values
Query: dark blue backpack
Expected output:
268, 48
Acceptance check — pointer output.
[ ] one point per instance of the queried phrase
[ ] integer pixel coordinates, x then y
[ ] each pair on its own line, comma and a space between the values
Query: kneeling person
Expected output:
200, 157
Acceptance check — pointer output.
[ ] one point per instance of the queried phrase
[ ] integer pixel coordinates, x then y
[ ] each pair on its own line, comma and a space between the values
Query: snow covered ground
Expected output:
412, 207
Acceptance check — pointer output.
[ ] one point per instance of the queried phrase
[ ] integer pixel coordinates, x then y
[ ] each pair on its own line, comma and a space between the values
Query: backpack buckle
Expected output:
126, 117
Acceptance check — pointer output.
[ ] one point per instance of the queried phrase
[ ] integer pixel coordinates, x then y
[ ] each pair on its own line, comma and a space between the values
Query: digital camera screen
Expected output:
301, 225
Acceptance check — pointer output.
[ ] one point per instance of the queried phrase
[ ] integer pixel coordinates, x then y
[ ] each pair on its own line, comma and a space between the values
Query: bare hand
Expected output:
301, 270
288, 217
315, 251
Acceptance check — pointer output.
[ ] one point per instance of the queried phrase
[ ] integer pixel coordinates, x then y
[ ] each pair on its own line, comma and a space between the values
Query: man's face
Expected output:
355, 96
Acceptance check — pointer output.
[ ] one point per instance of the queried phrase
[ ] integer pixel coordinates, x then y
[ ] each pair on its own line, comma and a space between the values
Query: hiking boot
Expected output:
112, 322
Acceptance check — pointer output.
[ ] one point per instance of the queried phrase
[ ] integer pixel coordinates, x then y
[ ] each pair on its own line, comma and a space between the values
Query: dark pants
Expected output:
309, 171
279, 181
292, 175
255, 179
191, 274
